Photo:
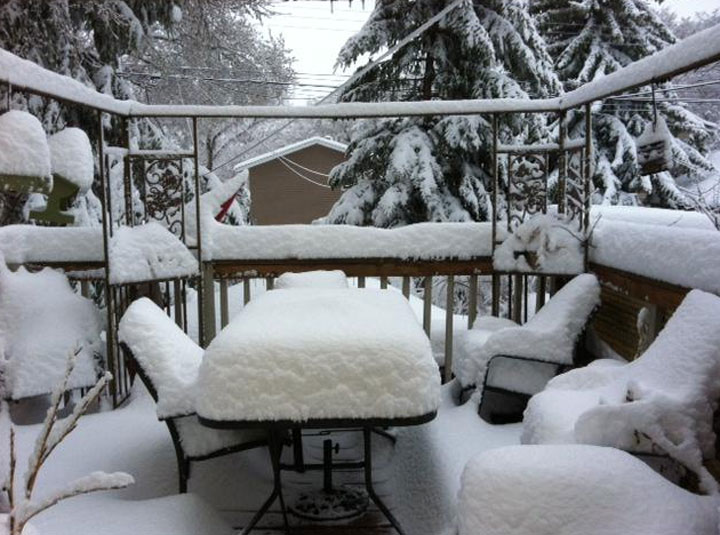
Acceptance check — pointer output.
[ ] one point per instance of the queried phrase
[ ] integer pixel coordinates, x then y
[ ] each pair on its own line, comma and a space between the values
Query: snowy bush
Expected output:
24, 506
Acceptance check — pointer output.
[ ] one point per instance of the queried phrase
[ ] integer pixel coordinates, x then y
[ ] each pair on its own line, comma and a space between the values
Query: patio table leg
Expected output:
275, 446
367, 446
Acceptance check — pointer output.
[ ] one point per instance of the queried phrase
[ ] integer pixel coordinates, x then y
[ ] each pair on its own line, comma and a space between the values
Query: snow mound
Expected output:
320, 353
549, 335
148, 252
41, 321
23, 146
71, 157
568, 490
21, 244
169, 357
666, 398
312, 279
542, 244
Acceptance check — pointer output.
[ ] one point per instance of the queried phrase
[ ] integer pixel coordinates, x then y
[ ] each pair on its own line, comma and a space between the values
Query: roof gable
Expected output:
289, 149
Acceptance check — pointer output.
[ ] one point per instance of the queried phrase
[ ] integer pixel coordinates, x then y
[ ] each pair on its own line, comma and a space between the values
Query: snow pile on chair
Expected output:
569, 490
664, 400
312, 279
550, 335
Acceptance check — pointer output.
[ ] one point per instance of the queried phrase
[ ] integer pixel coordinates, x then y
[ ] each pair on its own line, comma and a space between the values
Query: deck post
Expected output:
198, 237
449, 313
494, 215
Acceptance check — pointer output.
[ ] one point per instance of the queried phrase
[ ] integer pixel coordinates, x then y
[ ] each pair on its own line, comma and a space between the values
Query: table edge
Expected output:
320, 423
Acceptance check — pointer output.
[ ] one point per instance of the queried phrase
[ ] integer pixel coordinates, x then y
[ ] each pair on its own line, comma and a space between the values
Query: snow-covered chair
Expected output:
665, 400
500, 355
312, 279
42, 320
167, 362
574, 489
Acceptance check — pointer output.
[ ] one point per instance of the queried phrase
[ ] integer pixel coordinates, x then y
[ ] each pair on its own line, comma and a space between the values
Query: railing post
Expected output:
427, 305
517, 295
449, 313
472, 301
246, 290
224, 305
406, 287
178, 303
208, 303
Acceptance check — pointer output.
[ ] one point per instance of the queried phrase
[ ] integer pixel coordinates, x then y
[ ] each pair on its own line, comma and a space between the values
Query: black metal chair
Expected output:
514, 399
185, 430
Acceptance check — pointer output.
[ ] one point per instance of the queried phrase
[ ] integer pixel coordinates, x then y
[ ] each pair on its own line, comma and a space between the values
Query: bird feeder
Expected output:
24, 154
654, 146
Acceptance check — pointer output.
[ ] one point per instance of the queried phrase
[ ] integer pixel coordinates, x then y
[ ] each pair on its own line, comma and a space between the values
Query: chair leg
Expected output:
183, 474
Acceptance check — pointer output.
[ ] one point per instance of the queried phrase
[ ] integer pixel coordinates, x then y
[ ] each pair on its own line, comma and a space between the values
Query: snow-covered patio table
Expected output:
320, 358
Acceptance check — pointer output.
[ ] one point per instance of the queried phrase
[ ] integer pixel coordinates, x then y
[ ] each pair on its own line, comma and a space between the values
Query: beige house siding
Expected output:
280, 197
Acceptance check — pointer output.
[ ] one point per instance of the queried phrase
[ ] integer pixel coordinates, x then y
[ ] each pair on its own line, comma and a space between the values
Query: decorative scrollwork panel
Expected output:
164, 194
527, 186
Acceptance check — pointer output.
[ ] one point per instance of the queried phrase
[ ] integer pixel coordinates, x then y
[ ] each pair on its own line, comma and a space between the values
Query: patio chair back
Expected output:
168, 360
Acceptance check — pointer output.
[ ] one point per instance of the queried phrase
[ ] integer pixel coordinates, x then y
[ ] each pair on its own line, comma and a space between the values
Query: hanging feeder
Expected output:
654, 146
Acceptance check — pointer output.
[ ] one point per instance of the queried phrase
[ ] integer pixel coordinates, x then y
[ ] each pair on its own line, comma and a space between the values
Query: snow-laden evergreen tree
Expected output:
407, 170
589, 39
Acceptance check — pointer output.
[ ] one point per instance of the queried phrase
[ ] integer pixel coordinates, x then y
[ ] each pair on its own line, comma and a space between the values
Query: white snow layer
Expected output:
572, 490
171, 361
665, 398
21, 244
312, 279
148, 252
551, 334
542, 244
684, 256
320, 353
23, 146
41, 321
651, 216
71, 157
424, 241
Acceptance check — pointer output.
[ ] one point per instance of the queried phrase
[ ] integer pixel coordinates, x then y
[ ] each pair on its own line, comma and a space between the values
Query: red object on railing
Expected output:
224, 209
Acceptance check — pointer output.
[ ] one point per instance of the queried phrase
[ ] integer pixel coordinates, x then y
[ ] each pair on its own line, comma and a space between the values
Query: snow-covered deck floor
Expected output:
419, 477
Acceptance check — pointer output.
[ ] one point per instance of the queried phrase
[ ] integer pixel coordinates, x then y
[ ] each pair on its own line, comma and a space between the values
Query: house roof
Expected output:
289, 149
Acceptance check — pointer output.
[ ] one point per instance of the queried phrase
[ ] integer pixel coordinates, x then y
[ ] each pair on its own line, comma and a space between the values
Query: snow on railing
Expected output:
695, 51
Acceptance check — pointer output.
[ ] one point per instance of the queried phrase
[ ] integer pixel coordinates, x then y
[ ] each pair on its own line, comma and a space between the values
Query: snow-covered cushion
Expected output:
42, 320
312, 279
167, 355
198, 440
549, 335
588, 490
667, 397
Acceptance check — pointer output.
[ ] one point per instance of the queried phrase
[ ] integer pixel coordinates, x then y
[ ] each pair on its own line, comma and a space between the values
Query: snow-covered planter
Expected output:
542, 244
663, 401
588, 490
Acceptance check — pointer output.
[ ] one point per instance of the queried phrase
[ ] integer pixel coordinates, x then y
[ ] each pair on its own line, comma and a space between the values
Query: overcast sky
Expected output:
315, 36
